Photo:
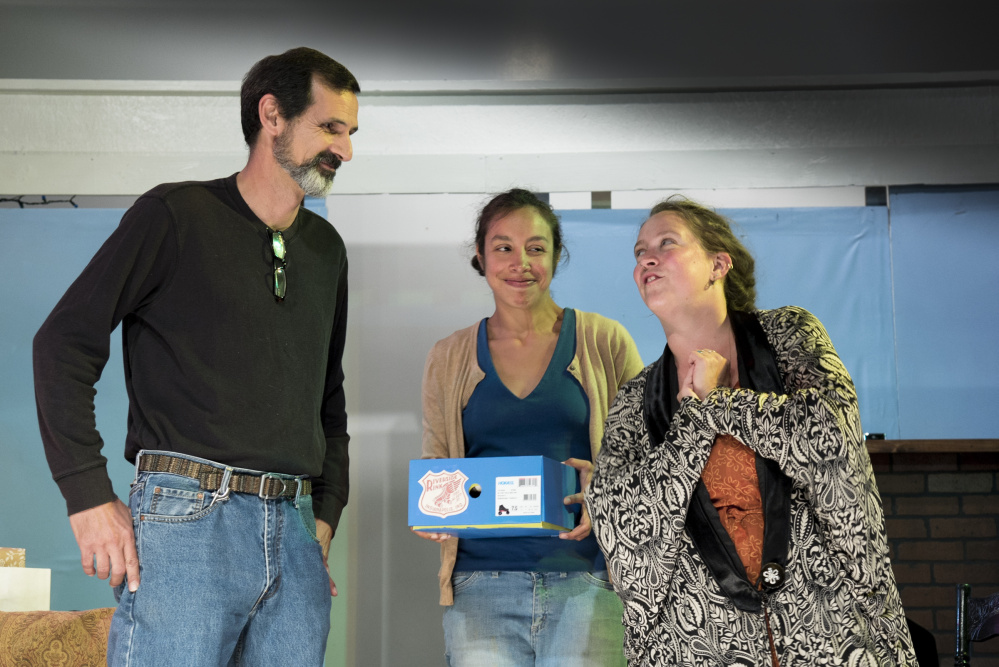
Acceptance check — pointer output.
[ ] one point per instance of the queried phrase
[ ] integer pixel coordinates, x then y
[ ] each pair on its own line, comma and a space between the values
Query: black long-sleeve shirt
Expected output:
215, 366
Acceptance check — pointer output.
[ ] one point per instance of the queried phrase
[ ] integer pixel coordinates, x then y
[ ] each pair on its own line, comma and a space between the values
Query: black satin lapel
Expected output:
758, 370
672, 386
718, 551
660, 397
775, 490
757, 360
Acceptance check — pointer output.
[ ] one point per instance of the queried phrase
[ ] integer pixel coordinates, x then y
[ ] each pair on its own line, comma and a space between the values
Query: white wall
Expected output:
410, 285
121, 138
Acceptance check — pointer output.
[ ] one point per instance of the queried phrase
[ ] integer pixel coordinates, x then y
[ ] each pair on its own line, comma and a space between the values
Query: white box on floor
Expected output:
25, 588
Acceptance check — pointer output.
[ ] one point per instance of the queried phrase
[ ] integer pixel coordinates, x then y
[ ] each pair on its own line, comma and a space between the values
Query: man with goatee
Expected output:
232, 301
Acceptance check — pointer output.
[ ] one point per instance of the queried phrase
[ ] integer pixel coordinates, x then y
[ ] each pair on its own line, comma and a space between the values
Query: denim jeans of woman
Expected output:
537, 619
225, 579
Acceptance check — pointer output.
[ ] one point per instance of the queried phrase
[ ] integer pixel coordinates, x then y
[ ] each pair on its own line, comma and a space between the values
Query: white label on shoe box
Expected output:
518, 496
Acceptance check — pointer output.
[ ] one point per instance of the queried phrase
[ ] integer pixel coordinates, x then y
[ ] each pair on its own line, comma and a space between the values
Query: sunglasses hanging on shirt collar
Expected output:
280, 277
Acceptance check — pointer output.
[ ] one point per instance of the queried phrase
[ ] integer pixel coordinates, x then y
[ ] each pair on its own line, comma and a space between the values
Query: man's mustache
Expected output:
327, 159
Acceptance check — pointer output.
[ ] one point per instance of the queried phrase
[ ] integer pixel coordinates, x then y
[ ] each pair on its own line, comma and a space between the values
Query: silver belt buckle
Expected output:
263, 480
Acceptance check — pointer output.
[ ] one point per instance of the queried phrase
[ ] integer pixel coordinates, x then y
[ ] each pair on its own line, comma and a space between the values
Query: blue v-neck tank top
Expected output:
553, 420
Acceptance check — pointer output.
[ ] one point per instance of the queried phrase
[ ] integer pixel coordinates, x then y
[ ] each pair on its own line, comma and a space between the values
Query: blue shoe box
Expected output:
513, 496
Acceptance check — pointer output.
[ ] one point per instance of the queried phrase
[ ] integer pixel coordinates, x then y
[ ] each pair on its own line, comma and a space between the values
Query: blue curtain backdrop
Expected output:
945, 246
917, 290
52, 247
48, 249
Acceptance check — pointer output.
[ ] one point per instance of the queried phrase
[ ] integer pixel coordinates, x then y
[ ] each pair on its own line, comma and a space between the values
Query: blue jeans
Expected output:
225, 579
521, 619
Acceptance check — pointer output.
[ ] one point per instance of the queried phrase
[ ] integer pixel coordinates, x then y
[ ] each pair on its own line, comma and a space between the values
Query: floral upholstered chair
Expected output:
55, 638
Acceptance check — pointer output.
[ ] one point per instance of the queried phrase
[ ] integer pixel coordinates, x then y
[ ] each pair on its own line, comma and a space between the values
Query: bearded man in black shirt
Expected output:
232, 298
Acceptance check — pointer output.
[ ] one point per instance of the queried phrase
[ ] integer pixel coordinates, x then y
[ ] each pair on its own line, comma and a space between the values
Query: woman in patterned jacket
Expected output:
733, 495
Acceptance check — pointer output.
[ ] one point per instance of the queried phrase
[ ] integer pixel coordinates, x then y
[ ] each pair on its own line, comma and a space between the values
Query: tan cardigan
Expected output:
606, 357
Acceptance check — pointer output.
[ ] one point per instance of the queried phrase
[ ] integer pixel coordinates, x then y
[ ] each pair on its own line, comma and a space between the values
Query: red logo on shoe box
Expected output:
443, 493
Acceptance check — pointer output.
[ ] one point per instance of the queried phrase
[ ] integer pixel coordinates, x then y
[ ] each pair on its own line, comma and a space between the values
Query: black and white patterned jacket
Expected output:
838, 603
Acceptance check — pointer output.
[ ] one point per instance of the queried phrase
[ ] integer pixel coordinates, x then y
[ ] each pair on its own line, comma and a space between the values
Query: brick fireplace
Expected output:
942, 516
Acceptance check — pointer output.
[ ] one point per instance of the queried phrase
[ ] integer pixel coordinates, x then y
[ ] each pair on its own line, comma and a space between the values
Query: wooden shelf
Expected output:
931, 446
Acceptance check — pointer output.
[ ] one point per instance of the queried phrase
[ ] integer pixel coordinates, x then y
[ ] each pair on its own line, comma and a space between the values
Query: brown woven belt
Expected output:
267, 485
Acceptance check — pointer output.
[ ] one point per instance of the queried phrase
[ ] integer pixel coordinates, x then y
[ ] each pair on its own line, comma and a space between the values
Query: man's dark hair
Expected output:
288, 77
